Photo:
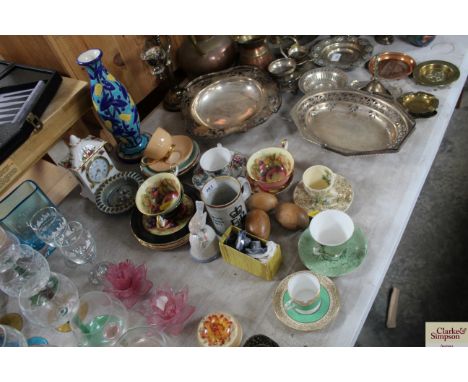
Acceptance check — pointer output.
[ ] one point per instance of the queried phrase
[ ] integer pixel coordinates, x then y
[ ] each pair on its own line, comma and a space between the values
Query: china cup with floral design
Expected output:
159, 194
319, 182
270, 169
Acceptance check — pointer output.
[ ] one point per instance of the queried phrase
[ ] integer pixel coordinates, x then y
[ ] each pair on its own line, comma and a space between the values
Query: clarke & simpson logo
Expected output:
448, 334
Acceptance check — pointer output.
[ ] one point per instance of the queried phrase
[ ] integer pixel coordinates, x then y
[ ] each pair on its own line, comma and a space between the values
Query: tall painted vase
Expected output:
114, 106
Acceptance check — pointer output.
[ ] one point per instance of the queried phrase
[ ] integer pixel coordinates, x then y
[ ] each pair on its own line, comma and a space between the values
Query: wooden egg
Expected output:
257, 222
291, 216
263, 201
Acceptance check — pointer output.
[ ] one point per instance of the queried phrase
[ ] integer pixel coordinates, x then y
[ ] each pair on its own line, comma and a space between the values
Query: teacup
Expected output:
319, 182
331, 230
271, 169
159, 194
160, 145
224, 197
216, 161
304, 291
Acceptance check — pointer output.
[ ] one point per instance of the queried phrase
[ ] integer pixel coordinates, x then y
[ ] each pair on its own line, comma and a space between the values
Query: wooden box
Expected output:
240, 260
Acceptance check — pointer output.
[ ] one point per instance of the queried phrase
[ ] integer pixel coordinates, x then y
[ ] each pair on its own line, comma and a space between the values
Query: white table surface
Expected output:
386, 188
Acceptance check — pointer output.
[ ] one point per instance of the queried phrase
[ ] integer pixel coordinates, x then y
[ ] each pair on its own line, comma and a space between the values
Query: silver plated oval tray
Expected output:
117, 194
229, 101
342, 52
352, 122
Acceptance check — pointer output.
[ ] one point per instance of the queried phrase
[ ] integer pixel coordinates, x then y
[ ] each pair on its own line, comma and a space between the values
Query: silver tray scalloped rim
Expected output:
329, 52
229, 101
352, 122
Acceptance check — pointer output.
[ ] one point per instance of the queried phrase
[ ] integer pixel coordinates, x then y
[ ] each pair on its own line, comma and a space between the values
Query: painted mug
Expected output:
216, 161
331, 230
224, 198
304, 291
272, 168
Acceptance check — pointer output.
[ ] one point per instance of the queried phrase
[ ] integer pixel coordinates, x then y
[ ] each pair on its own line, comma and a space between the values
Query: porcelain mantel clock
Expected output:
90, 163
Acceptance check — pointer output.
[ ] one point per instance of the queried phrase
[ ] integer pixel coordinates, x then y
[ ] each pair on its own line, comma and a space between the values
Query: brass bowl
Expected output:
419, 104
392, 65
436, 73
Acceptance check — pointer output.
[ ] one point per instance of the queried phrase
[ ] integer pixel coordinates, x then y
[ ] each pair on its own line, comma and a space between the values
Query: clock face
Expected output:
98, 170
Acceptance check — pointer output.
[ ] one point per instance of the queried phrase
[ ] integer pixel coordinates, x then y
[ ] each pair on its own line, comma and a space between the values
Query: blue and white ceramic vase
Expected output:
114, 106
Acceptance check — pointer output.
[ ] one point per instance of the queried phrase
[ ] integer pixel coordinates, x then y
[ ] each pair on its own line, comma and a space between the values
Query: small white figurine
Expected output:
204, 246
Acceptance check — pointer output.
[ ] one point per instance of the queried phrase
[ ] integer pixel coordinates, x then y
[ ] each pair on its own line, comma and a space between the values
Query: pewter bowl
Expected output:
282, 67
229, 101
343, 52
352, 122
322, 79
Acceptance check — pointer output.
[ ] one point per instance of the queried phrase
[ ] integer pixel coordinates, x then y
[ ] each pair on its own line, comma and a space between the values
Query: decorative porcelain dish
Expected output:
352, 122
117, 194
322, 79
420, 104
229, 101
391, 65
329, 307
342, 52
435, 73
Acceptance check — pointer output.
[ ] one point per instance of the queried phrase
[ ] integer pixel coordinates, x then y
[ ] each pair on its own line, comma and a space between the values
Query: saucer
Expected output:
237, 168
183, 147
327, 312
184, 167
117, 194
356, 252
316, 204
180, 219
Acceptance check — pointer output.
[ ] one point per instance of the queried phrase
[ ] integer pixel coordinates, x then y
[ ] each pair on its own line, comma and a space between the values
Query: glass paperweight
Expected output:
142, 336
54, 305
101, 320
10, 337
17, 208
22, 269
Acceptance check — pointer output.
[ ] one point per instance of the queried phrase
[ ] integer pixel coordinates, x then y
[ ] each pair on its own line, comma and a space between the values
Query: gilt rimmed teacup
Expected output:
319, 182
304, 292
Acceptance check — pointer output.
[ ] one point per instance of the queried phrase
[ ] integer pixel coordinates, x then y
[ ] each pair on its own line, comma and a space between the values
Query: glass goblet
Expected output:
142, 336
10, 337
54, 305
78, 247
48, 224
22, 270
101, 320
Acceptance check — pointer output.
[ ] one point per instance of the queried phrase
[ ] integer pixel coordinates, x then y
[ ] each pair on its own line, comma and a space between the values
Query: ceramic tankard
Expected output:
224, 198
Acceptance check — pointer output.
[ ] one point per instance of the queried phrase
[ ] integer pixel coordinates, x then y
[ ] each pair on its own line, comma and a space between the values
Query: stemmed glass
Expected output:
78, 247
10, 337
142, 336
48, 223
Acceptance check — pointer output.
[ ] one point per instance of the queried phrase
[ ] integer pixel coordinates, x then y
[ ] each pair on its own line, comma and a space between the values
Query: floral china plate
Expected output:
238, 163
315, 204
356, 251
329, 307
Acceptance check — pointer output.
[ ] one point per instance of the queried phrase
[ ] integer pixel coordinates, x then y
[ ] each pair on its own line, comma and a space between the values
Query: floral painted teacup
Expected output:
271, 169
319, 182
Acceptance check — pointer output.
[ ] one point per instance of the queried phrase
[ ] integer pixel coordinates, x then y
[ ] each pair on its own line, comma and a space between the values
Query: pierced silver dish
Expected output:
352, 122
322, 79
229, 101
342, 52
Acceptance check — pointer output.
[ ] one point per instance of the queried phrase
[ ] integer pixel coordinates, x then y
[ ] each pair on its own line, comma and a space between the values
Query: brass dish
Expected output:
229, 101
391, 65
435, 73
419, 104
342, 52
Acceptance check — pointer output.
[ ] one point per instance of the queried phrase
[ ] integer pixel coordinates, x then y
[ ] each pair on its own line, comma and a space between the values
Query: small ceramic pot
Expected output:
159, 145
169, 202
271, 169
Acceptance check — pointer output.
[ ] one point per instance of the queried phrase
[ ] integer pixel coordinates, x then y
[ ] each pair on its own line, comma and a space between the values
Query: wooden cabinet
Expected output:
121, 56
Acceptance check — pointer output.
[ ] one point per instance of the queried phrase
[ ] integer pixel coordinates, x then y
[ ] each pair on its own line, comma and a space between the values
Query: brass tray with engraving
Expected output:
352, 122
435, 73
419, 104
229, 101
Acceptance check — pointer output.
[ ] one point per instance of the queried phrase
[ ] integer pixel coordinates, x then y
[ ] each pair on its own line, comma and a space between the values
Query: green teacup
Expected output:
331, 230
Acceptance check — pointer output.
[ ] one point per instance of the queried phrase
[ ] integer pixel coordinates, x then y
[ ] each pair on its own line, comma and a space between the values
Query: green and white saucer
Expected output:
329, 307
356, 251
317, 204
